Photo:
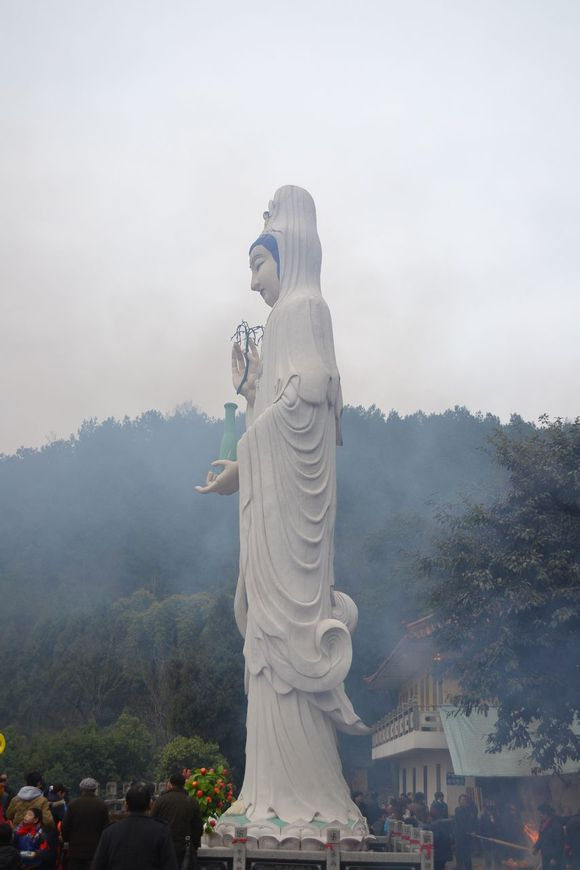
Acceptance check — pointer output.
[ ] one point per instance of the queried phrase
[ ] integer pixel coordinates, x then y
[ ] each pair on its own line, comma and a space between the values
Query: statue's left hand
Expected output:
225, 483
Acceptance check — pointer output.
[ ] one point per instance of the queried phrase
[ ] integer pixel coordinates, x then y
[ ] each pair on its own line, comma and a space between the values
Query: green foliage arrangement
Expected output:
507, 596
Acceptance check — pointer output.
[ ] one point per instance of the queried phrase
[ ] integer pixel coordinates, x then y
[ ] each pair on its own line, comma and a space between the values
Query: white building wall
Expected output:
432, 759
432, 764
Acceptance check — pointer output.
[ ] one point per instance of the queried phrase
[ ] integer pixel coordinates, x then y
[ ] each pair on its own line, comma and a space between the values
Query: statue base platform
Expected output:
274, 833
412, 849
220, 858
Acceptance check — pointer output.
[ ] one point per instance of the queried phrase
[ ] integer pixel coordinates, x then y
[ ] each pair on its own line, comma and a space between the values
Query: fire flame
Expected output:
531, 833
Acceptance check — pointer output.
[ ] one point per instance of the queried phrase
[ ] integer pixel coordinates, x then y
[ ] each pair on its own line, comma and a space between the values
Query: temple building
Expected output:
436, 748
411, 733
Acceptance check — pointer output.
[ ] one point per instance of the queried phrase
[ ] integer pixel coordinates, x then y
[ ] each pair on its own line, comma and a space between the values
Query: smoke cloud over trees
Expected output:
118, 579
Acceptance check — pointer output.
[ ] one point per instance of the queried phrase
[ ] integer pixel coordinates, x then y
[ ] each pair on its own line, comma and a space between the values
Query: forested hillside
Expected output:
117, 578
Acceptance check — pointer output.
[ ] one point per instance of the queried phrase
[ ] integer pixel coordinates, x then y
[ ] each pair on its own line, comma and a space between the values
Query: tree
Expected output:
507, 596
123, 751
189, 752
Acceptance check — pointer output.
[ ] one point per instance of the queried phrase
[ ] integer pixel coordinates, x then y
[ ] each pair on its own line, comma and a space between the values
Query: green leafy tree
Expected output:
189, 753
202, 687
123, 751
507, 596
14, 759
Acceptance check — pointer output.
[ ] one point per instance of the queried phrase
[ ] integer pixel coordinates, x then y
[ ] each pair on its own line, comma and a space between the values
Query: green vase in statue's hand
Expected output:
225, 483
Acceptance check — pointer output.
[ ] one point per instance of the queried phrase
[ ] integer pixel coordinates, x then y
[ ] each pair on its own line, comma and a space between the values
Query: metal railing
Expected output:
404, 720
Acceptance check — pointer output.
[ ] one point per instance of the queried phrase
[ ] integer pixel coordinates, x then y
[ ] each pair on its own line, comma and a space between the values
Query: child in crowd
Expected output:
31, 841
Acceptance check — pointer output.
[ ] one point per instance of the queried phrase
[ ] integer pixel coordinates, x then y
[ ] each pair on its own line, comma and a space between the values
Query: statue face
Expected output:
265, 279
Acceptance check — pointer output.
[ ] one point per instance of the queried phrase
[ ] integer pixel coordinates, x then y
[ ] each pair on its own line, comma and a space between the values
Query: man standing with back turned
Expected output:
137, 842
84, 821
182, 814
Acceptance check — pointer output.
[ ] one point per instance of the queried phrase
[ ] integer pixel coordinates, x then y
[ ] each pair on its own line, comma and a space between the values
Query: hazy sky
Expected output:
141, 141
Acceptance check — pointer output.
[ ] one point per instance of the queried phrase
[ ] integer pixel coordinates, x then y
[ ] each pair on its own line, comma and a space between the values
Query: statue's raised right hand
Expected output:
245, 388
225, 483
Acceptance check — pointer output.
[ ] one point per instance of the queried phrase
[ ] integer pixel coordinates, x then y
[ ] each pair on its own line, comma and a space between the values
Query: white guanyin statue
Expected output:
296, 626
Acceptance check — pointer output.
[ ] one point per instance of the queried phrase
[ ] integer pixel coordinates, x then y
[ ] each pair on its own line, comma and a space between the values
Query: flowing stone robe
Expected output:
296, 627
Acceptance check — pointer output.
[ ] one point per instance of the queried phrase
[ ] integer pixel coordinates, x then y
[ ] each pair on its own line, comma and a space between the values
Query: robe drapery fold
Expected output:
297, 642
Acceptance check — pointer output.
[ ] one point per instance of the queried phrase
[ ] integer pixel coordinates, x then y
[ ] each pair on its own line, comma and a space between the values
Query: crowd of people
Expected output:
496, 834
41, 828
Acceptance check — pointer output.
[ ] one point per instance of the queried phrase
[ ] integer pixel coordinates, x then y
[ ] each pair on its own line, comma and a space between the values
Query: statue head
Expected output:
288, 248
265, 267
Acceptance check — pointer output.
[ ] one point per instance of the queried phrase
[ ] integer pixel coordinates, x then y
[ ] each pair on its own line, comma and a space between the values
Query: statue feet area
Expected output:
274, 833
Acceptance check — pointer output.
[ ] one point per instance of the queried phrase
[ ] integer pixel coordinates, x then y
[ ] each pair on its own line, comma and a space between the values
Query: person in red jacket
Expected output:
30, 839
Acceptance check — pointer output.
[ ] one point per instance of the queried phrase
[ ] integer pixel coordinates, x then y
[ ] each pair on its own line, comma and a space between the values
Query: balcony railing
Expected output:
404, 720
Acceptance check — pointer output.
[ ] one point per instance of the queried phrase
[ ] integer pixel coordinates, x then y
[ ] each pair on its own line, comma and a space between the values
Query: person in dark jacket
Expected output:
9, 854
6, 795
58, 799
465, 821
181, 812
84, 821
512, 828
418, 808
3, 804
550, 840
572, 845
359, 799
373, 810
442, 847
8, 790
439, 808
490, 829
137, 842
